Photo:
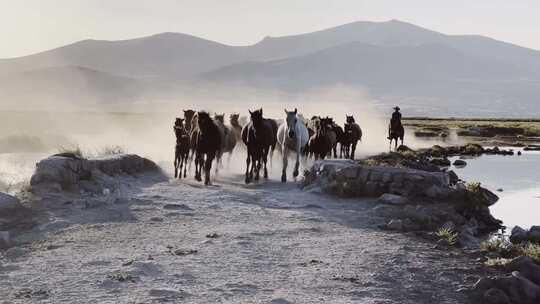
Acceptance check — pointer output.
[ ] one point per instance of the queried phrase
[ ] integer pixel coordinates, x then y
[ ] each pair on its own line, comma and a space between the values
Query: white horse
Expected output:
292, 135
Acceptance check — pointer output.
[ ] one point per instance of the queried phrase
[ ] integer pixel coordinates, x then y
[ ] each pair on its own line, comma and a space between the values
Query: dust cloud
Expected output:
144, 127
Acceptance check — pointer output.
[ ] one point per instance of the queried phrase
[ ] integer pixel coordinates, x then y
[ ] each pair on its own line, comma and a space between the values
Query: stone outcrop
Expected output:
8, 202
521, 286
520, 235
411, 199
71, 173
347, 178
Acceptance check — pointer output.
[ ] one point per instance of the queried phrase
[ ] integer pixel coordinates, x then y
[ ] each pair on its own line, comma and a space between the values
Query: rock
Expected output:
496, 296
530, 292
526, 267
395, 224
518, 152
417, 215
5, 241
460, 163
483, 197
534, 234
409, 225
518, 235
14, 253
467, 240
68, 171
392, 199
442, 162
454, 179
8, 202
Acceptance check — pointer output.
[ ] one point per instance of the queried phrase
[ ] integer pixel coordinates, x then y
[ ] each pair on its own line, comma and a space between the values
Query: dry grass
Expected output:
73, 149
448, 235
531, 250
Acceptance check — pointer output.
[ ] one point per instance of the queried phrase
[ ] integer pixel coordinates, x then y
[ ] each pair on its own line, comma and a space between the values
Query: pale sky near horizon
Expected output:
31, 26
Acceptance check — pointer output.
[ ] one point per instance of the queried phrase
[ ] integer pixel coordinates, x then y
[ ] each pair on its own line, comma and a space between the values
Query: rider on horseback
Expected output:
395, 121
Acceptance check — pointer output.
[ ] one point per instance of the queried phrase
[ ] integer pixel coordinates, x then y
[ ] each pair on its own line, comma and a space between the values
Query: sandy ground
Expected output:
180, 242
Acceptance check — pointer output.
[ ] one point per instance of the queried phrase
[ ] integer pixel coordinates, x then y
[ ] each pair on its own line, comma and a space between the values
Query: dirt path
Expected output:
230, 243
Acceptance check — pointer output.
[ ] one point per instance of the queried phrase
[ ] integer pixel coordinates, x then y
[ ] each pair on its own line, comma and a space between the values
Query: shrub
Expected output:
73, 150
531, 250
473, 187
448, 235
112, 150
497, 262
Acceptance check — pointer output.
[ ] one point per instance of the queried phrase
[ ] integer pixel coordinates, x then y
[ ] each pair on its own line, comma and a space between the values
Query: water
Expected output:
518, 176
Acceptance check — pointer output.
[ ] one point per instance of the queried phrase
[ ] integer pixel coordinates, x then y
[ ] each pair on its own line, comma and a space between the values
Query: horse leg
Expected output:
247, 168
353, 150
285, 163
297, 164
265, 160
208, 167
258, 168
198, 166
175, 164
185, 164
334, 148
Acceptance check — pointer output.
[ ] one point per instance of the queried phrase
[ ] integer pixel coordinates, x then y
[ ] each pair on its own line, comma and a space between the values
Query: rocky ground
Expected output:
150, 240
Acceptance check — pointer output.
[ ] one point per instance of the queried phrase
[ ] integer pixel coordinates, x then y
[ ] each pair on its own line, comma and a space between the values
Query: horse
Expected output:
188, 119
353, 134
320, 143
206, 143
292, 135
181, 152
395, 131
236, 126
228, 138
335, 133
259, 135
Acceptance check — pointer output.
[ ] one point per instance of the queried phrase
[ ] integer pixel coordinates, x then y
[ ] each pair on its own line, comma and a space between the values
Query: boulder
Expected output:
467, 240
64, 172
496, 296
534, 234
459, 163
526, 267
518, 235
8, 202
392, 199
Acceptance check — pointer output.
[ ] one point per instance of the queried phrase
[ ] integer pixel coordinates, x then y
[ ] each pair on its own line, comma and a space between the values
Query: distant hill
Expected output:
68, 84
394, 61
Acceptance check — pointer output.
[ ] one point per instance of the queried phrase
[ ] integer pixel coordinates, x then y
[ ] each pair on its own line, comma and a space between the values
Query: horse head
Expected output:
203, 119
220, 118
179, 122
257, 117
350, 119
291, 120
233, 118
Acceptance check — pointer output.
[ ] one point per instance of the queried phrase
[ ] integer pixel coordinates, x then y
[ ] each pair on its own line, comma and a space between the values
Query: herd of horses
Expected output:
203, 138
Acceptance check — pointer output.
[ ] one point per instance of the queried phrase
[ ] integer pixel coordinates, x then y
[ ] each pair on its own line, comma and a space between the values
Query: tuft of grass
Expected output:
497, 262
448, 235
74, 150
496, 244
531, 250
112, 150
474, 187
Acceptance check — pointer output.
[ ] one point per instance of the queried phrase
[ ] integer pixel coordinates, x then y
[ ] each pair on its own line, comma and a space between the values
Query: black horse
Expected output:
206, 143
320, 143
353, 134
181, 152
339, 134
260, 137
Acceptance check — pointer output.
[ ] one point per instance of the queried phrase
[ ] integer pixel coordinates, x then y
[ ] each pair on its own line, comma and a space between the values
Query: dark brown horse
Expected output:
228, 138
320, 143
181, 152
259, 135
206, 143
353, 134
395, 132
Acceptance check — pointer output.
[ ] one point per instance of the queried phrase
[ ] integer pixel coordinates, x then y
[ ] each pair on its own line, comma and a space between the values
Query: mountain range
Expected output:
394, 61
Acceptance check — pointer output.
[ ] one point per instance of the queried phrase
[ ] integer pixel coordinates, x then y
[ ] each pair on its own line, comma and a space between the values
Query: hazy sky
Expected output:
29, 26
